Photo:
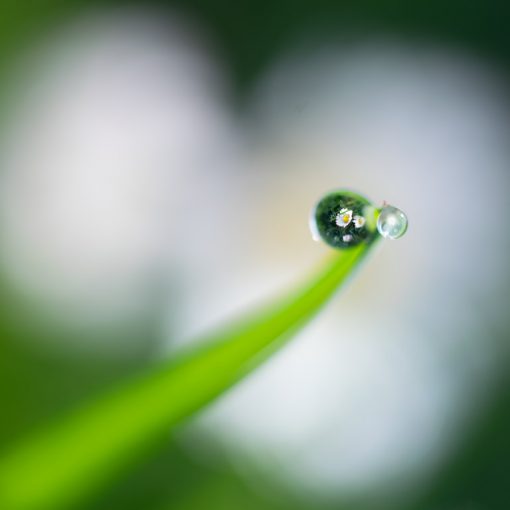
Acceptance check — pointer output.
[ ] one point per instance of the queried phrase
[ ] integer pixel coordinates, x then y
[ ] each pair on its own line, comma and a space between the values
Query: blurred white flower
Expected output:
122, 118
372, 389
128, 141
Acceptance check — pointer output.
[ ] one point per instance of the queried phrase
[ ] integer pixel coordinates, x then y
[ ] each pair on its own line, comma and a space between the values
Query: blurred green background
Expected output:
159, 160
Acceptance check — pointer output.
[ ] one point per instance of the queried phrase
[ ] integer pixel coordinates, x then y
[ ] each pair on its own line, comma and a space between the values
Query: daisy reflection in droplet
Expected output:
359, 221
344, 217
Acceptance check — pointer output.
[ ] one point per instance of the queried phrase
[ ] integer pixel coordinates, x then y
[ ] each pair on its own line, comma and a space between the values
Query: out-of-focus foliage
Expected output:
82, 451
252, 33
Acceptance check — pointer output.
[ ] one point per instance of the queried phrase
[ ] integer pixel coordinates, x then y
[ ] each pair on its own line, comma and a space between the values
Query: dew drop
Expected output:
392, 222
344, 219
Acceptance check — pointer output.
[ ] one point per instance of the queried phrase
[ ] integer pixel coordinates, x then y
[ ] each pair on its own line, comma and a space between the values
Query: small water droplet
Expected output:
344, 219
392, 222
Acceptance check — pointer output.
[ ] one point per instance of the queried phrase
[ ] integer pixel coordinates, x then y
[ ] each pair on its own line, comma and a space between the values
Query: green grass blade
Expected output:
82, 452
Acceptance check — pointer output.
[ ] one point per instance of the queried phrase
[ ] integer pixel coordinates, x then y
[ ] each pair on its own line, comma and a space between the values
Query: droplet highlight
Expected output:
392, 222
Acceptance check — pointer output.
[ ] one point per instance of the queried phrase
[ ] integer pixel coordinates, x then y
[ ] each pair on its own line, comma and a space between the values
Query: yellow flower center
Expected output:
345, 218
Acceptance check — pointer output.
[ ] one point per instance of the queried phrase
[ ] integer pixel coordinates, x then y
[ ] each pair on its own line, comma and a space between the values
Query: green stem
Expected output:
73, 458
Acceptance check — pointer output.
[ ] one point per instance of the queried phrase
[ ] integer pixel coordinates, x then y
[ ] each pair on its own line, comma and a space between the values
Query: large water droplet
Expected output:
392, 222
343, 219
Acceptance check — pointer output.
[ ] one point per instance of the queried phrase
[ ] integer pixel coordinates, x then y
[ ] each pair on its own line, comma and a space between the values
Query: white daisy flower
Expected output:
359, 221
347, 238
344, 217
